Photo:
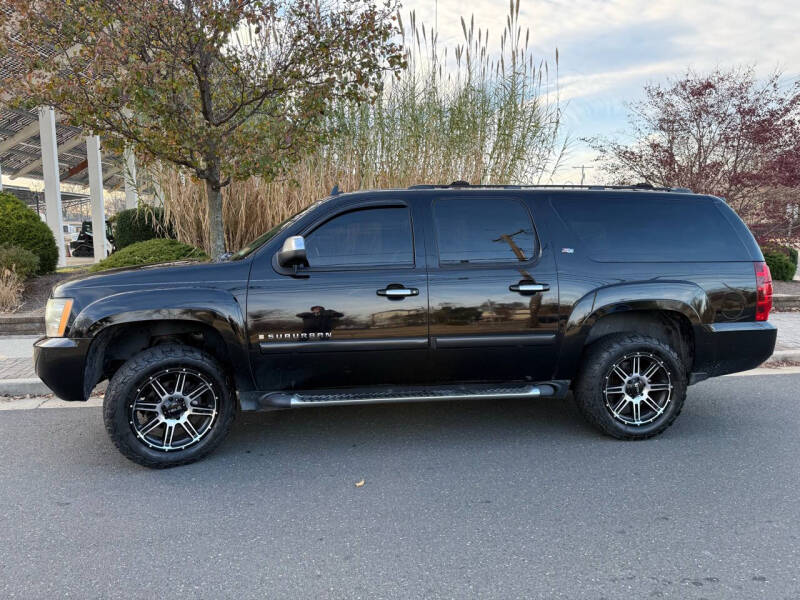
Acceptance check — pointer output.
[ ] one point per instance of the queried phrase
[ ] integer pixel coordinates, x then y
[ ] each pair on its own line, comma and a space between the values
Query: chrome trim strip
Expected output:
482, 341
330, 345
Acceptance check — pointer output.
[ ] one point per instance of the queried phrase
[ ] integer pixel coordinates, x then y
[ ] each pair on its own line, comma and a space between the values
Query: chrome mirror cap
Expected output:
293, 252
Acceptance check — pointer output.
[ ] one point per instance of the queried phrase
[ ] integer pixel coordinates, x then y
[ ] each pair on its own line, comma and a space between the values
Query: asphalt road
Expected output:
477, 500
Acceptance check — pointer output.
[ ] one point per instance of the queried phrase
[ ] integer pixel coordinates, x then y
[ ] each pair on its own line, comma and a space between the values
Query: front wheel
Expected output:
169, 405
631, 386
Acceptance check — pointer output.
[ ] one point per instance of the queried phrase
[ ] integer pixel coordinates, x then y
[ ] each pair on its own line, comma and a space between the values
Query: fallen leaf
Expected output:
360, 483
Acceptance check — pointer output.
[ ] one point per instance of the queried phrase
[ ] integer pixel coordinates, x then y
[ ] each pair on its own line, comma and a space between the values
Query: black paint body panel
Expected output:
329, 328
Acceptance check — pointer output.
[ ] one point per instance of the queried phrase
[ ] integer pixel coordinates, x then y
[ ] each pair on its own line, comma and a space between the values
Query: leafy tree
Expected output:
225, 88
725, 133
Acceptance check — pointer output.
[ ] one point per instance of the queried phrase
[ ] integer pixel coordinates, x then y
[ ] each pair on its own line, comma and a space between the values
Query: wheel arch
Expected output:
670, 311
123, 324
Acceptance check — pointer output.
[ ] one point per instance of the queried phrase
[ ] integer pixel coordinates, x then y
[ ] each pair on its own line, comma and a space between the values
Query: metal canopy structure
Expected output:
21, 152
35, 200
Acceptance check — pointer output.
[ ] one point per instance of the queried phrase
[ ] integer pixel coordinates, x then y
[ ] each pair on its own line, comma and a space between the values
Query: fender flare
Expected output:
688, 299
212, 307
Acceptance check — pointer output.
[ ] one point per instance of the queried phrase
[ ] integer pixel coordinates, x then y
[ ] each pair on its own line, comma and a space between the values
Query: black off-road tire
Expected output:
600, 358
123, 388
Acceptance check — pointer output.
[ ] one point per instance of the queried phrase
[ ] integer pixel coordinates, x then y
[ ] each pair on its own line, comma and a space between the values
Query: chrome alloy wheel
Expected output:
638, 389
173, 409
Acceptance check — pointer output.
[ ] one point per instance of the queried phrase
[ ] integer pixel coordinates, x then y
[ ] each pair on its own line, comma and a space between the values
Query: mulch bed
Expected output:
786, 287
37, 291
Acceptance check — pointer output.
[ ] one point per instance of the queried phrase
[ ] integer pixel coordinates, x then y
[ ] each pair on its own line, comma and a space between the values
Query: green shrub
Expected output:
15, 258
139, 225
150, 252
780, 266
793, 256
20, 226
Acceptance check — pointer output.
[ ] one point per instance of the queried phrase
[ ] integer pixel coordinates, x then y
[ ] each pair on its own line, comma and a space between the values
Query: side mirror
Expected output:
293, 252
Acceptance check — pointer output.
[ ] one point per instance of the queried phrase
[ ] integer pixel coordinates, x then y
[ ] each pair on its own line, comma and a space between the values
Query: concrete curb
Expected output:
785, 302
32, 386
21, 325
783, 356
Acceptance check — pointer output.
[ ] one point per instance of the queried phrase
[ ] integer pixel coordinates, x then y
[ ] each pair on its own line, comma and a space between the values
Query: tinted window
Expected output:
479, 230
644, 227
374, 236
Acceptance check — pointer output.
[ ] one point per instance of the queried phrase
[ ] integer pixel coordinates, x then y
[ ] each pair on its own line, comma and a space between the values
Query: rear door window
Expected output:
483, 230
650, 228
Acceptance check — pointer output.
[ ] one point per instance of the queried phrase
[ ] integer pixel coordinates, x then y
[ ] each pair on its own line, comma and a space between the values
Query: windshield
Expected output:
265, 237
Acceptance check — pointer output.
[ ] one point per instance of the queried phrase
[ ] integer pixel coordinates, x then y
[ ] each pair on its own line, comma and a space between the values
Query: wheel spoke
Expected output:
187, 425
615, 389
617, 410
145, 406
660, 387
169, 432
150, 426
159, 389
651, 403
205, 411
637, 363
620, 373
180, 382
637, 412
651, 370
199, 391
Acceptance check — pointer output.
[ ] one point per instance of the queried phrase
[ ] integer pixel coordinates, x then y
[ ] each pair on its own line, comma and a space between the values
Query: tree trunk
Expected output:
216, 228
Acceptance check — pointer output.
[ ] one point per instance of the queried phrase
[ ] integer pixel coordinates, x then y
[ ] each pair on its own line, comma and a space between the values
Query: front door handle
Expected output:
529, 287
397, 292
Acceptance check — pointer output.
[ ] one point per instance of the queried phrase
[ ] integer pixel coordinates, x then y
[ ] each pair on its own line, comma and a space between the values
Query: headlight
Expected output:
56, 316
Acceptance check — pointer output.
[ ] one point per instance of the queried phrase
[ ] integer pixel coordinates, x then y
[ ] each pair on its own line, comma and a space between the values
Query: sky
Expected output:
608, 49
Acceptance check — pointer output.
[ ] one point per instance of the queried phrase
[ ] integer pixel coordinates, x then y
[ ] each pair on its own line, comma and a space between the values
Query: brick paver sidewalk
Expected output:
788, 324
16, 368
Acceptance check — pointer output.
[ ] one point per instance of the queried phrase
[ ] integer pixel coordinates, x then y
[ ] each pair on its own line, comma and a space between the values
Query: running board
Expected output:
381, 395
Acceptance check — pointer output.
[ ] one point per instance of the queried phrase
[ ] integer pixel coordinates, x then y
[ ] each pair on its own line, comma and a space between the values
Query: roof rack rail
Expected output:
463, 184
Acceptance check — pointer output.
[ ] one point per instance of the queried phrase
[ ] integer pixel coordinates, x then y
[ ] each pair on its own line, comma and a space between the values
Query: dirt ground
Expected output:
786, 287
37, 291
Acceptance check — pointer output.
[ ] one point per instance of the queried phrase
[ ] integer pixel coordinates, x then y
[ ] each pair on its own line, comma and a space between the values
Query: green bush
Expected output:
793, 256
139, 225
20, 226
780, 266
15, 258
150, 252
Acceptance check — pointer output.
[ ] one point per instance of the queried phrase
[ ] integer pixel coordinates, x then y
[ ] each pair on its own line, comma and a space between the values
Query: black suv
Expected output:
623, 295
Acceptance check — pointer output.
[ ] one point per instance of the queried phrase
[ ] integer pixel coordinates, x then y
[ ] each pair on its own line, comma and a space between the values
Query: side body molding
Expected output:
682, 297
216, 308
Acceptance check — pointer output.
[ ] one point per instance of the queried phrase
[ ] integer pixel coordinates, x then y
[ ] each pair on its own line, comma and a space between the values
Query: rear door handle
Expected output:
397, 292
529, 287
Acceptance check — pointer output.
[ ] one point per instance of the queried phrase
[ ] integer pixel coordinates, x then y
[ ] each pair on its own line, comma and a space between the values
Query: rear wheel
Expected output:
168, 405
631, 386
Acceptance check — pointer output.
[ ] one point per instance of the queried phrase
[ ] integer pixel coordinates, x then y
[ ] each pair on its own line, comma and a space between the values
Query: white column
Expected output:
155, 177
52, 186
131, 189
96, 195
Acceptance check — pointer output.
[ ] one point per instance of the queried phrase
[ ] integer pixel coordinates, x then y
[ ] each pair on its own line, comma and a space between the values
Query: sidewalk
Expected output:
18, 378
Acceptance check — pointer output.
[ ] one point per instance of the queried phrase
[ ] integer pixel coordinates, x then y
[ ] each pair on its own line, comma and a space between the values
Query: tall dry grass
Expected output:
455, 113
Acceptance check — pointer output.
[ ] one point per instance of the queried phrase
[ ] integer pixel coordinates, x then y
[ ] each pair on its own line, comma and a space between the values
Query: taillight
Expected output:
763, 291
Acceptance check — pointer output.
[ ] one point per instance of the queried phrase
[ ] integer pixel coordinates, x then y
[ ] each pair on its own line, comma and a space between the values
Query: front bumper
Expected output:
60, 364
724, 348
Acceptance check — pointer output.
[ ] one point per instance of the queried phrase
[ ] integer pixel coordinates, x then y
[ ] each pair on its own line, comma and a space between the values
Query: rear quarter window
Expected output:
649, 228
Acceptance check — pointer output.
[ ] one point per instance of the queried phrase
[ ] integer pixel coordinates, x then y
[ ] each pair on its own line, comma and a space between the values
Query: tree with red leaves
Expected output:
726, 133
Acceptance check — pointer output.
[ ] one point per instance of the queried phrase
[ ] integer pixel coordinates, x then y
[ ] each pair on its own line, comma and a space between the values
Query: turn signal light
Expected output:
763, 291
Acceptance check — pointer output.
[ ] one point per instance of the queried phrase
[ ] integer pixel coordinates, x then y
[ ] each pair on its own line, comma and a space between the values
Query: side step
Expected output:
380, 395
